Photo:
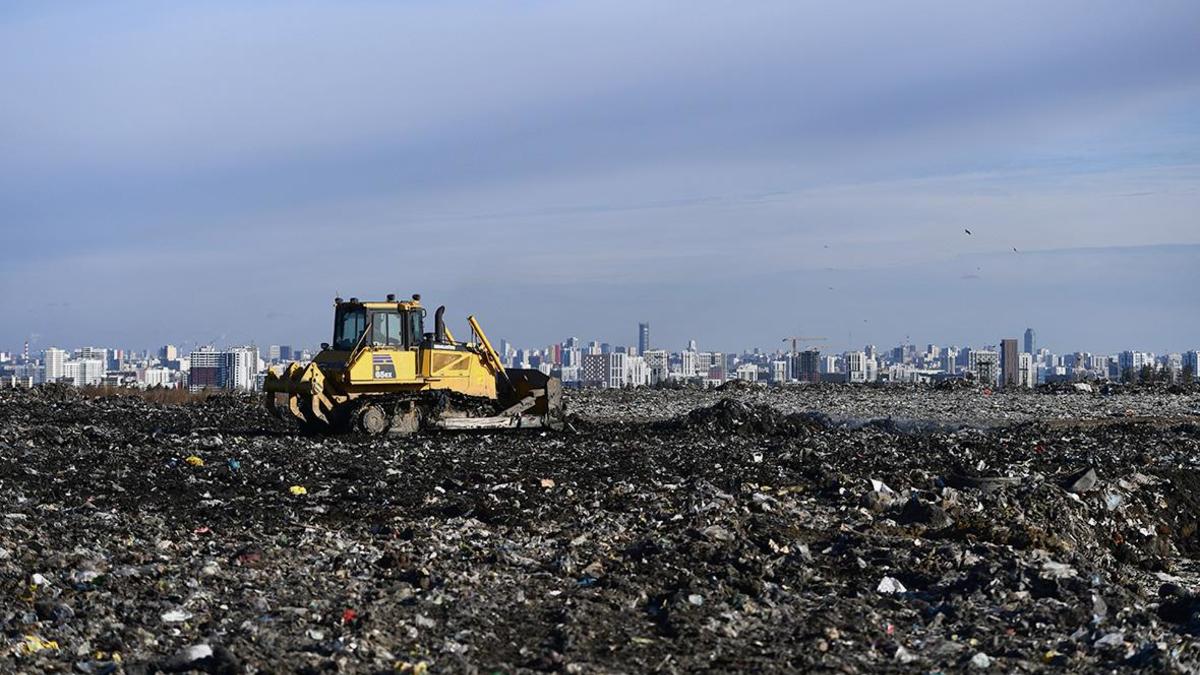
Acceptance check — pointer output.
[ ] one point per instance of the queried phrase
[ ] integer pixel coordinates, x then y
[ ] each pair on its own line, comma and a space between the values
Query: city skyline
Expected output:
583, 363
633, 341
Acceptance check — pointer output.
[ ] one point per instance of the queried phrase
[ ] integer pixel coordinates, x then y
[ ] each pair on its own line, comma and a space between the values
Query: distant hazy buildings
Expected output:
601, 364
1130, 364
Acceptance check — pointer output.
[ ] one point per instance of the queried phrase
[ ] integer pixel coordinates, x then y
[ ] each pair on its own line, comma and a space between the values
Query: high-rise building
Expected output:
1191, 364
688, 363
84, 372
1027, 370
643, 338
637, 373
1130, 363
747, 372
984, 364
781, 371
949, 357
53, 358
572, 357
808, 366
856, 367
657, 363
604, 370
239, 369
1030, 341
205, 369
97, 353
1010, 365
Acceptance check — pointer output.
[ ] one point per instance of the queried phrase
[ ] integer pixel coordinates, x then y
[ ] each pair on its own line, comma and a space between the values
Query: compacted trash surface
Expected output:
853, 529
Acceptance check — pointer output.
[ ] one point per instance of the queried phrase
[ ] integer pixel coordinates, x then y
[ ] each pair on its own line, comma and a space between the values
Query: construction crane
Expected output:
797, 338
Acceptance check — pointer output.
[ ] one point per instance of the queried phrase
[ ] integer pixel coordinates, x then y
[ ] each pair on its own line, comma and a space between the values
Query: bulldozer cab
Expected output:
394, 326
377, 341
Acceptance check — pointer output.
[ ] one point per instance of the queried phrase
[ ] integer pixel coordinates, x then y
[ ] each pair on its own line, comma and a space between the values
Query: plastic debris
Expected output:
194, 460
31, 644
298, 490
176, 616
981, 661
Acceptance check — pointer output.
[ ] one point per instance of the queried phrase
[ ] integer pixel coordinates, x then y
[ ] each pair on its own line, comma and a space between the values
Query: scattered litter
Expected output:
176, 616
757, 522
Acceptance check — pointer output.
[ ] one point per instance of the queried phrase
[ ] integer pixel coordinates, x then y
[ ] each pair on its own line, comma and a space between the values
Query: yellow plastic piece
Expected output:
34, 644
298, 490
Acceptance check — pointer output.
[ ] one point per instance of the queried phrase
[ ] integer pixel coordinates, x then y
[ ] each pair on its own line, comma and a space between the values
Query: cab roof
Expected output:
414, 303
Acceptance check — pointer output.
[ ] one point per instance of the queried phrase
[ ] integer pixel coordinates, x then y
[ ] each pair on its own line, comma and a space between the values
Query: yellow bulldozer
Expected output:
384, 374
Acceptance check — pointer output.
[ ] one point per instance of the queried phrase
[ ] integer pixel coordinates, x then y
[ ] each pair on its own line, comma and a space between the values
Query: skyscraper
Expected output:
1191, 364
1010, 365
54, 359
856, 367
1030, 341
808, 366
643, 338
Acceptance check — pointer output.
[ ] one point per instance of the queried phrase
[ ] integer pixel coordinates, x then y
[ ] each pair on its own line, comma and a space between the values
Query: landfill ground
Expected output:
851, 529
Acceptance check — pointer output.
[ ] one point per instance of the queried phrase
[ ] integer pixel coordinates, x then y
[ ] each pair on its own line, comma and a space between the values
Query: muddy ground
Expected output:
748, 529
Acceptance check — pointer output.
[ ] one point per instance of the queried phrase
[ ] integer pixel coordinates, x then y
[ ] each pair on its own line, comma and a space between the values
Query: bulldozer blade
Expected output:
496, 422
546, 390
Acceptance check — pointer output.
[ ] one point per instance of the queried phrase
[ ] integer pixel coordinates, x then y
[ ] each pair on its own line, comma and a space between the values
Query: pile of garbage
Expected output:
967, 404
739, 534
731, 415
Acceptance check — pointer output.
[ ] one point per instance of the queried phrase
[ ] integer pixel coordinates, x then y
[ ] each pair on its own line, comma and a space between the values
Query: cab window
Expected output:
348, 327
387, 328
416, 328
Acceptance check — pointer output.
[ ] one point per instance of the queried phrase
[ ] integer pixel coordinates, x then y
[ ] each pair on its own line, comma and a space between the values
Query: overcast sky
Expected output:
731, 172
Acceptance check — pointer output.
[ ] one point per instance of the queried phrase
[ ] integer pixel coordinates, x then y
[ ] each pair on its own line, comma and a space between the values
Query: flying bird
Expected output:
1015, 250
966, 230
